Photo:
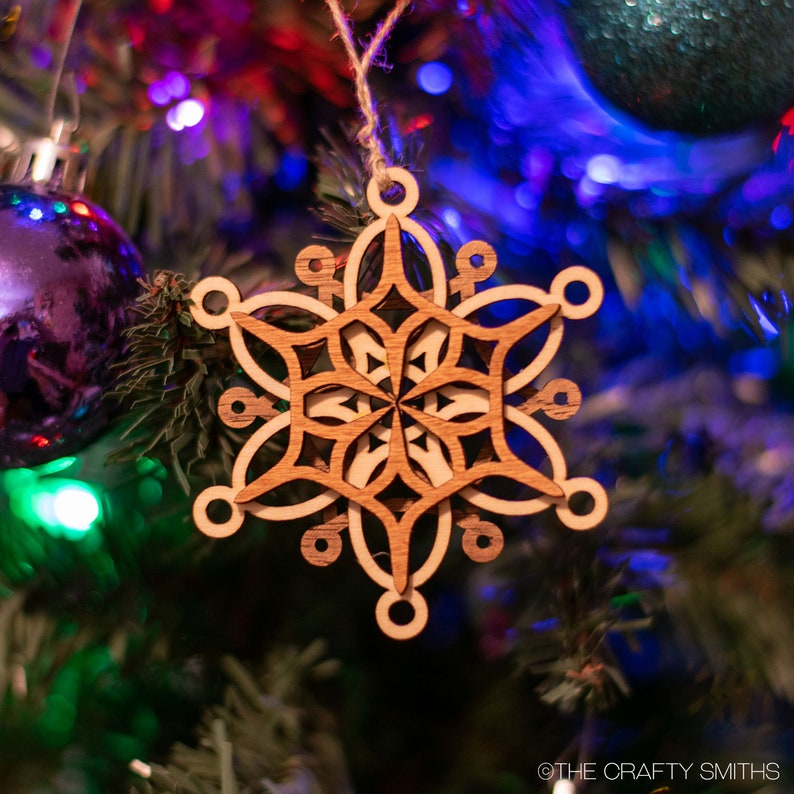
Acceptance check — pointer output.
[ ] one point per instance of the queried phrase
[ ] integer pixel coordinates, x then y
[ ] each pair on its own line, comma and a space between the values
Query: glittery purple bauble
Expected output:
68, 276
703, 67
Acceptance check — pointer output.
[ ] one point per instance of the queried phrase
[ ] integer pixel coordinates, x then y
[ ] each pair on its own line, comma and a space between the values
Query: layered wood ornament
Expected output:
396, 405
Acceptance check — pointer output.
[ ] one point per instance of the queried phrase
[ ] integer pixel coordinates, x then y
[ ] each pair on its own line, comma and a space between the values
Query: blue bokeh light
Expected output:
434, 78
763, 362
604, 168
781, 217
292, 170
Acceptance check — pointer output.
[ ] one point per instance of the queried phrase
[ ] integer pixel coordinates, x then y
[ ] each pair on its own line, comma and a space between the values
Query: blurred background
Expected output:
650, 140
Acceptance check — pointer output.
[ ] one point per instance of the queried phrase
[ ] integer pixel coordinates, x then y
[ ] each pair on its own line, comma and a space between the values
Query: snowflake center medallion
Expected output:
400, 404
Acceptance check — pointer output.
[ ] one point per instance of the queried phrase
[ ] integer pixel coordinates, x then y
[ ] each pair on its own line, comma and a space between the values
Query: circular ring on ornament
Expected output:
559, 399
207, 286
217, 493
401, 631
465, 264
402, 208
317, 275
572, 275
312, 552
238, 407
597, 512
471, 545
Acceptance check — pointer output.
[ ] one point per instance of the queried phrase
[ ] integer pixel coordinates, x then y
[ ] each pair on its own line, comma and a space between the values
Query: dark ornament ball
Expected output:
701, 67
68, 276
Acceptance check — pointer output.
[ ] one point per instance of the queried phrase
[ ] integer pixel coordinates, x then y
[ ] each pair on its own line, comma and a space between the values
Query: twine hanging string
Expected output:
368, 135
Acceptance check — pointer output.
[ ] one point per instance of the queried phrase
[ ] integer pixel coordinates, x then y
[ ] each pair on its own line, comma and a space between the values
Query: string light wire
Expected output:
60, 66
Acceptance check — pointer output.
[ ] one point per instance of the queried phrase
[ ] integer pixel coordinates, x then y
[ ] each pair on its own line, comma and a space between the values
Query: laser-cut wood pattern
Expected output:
385, 405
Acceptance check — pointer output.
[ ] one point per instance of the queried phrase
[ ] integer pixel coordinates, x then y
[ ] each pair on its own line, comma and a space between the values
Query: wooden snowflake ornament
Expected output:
399, 406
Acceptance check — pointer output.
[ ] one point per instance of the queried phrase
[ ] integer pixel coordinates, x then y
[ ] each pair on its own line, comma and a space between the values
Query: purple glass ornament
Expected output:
68, 276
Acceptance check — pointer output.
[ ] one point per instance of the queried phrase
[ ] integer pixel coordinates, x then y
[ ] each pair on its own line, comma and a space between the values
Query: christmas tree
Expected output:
650, 142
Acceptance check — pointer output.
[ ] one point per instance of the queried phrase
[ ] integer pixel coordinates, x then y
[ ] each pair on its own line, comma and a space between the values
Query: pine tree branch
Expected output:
267, 736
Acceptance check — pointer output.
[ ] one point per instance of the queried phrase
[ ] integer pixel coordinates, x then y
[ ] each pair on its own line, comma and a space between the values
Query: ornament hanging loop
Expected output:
368, 137
53, 161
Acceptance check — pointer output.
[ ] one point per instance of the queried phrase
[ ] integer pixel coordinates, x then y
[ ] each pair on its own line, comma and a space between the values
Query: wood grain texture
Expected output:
397, 405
